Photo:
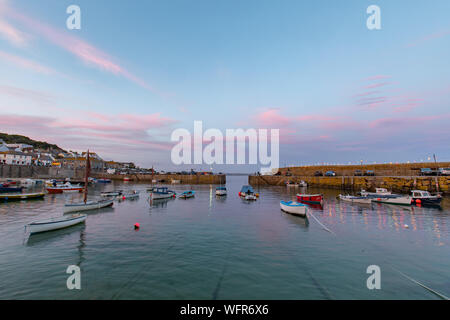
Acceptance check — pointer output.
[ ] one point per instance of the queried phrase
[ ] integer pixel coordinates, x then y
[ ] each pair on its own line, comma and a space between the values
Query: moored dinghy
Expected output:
86, 206
187, 194
355, 199
21, 196
157, 193
221, 191
295, 208
55, 223
405, 201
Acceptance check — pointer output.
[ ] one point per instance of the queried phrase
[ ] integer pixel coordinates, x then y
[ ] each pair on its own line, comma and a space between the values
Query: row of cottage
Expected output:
24, 154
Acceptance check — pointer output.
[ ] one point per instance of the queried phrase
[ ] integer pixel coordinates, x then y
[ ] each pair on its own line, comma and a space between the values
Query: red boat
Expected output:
310, 198
64, 188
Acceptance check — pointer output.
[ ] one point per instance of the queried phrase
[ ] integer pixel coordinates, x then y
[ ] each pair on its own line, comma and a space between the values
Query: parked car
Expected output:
330, 174
358, 173
318, 174
444, 171
369, 173
427, 172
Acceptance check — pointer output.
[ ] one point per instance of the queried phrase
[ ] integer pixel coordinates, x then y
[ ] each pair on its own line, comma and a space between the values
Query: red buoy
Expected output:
418, 201
136, 226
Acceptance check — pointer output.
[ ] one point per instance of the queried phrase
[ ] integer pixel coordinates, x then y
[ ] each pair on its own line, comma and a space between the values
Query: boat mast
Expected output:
86, 177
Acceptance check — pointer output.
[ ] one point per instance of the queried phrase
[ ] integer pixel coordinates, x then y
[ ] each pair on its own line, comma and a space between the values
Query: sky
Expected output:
137, 70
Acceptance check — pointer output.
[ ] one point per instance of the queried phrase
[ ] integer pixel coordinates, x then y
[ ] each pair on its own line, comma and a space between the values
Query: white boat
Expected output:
302, 184
157, 193
250, 197
378, 192
355, 199
221, 191
292, 185
128, 196
397, 200
55, 223
107, 194
28, 183
294, 208
88, 205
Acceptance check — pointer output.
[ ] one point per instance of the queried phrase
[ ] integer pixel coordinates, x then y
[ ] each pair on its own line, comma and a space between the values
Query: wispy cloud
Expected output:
26, 63
436, 35
13, 35
108, 131
83, 50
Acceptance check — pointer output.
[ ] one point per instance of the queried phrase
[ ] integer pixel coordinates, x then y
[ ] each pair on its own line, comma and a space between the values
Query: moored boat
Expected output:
67, 187
310, 198
295, 208
221, 191
104, 180
247, 193
425, 198
115, 193
161, 193
55, 223
88, 205
21, 196
187, 194
378, 192
406, 200
130, 195
355, 199
4, 189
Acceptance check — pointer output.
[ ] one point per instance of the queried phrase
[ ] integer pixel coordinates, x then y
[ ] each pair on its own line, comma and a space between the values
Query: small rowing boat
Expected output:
187, 194
221, 191
355, 199
55, 223
310, 198
88, 205
295, 208
22, 196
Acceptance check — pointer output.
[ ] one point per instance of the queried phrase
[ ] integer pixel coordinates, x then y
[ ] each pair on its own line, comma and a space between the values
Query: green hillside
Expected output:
15, 138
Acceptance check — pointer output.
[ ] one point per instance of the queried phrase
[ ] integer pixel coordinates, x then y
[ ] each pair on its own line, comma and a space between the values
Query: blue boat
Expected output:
187, 194
161, 193
10, 189
104, 180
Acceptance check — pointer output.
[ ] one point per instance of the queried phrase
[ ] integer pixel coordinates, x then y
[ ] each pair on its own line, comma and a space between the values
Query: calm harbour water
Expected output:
213, 248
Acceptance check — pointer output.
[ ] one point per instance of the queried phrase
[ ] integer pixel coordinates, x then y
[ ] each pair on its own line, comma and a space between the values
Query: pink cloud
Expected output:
272, 118
436, 35
120, 131
27, 64
78, 47
13, 35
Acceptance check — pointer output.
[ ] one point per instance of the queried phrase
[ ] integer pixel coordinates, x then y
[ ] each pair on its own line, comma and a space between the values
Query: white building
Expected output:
15, 157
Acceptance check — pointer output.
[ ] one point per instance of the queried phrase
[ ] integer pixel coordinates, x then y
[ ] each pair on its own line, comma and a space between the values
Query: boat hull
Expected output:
310, 198
55, 224
293, 208
22, 196
405, 201
87, 206
158, 196
355, 199
61, 190
221, 192
433, 201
